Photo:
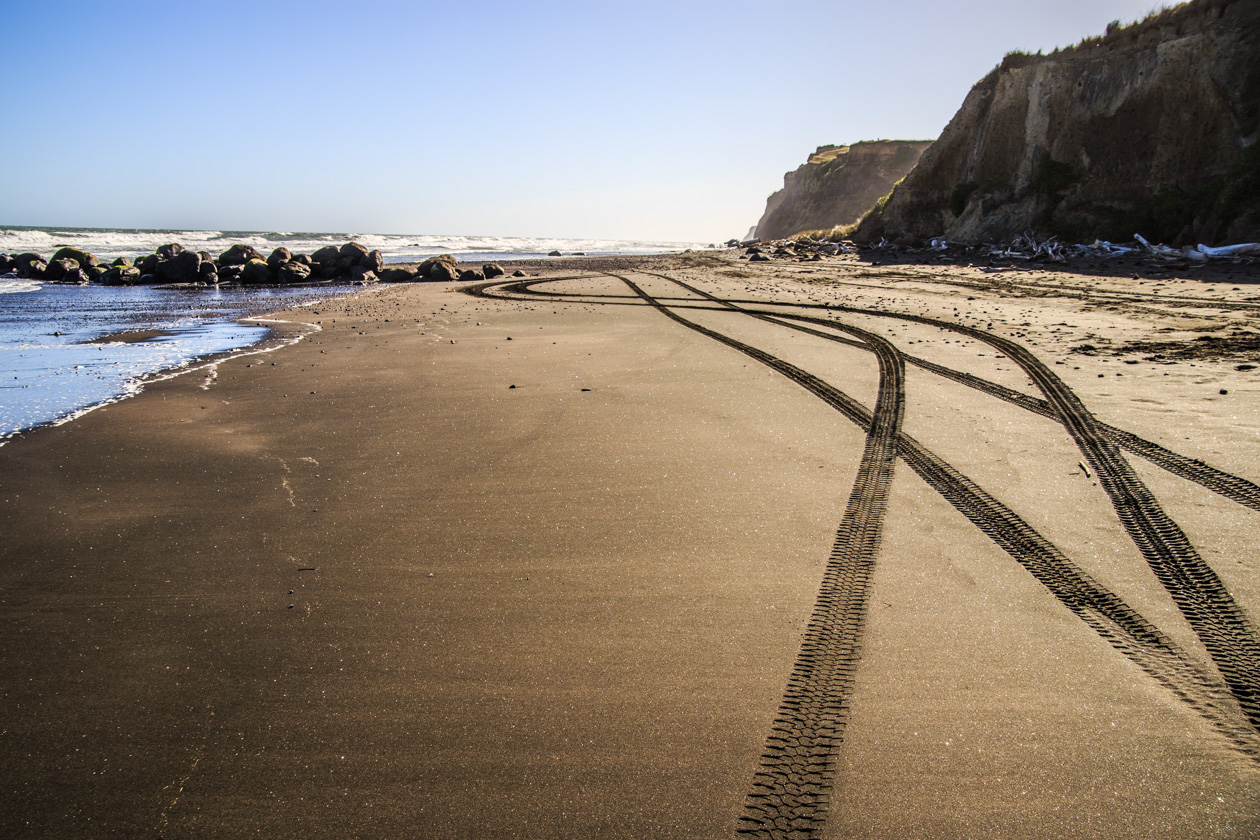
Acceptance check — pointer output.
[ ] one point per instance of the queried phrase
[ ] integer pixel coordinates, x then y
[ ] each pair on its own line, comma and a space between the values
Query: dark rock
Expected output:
257, 273
354, 252
146, 280
148, 265
83, 258
444, 268
759, 258
230, 273
471, 275
362, 275
239, 255
170, 251
279, 257
555, 254
6, 264
304, 259
95, 272
121, 275
375, 261
329, 271
58, 269
492, 270
294, 272
183, 267
399, 274
29, 265
518, 273
205, 256
328, 255
207, 273
121, 261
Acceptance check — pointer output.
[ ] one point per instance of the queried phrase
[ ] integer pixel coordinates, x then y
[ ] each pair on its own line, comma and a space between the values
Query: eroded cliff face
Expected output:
1152, 126
837, 185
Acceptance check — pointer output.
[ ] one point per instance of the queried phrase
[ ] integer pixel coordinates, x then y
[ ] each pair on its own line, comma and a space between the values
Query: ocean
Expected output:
55, 364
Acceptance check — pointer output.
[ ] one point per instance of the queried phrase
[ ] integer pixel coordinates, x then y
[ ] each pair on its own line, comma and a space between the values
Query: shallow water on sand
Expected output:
64, 349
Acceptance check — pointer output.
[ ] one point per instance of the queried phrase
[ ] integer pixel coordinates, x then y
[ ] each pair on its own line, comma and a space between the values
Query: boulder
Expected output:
555, 254
400, 274
167, 252
121, 261
354, 252
362, 275
375, 260
83, 258
328, 255
279, 257
492, 270
183, 267
230, 273
205, 256
239, 255
148, 265
207, 273
294, 272
6, 264
121, 275
304, 259
444, 267
471, 275
518, 273
29, 265
95, 272
257, 273
58, 269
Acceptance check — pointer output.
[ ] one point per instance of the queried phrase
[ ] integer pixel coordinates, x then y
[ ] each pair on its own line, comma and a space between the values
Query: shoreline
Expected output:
542, 564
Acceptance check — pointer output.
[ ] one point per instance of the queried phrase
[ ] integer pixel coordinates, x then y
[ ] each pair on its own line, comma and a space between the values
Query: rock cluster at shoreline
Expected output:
239, 265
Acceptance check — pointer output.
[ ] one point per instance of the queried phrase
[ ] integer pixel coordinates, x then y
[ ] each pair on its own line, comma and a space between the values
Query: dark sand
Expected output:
360, 586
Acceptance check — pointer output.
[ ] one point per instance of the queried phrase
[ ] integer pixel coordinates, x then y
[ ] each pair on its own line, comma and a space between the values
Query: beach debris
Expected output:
1247, 249
1084, 468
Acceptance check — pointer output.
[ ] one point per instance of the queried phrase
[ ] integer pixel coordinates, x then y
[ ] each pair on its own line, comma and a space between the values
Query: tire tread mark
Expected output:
1114, 620
791, 790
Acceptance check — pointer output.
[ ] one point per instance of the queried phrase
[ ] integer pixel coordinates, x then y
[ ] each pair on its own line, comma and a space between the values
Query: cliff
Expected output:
837, 185
1150, 129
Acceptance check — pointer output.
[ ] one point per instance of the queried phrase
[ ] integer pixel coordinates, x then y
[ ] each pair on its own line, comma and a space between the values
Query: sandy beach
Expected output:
648, 548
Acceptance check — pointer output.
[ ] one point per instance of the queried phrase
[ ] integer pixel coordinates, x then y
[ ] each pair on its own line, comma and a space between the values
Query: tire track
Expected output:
1121, 625
791, 789
1107, 614
1221, 624
787, 799
1233, 487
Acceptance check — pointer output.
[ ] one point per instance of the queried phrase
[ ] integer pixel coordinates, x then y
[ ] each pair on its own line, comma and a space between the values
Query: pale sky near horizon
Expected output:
646, 120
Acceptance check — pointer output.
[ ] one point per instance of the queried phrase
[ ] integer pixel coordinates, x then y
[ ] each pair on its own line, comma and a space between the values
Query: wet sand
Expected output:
544, 566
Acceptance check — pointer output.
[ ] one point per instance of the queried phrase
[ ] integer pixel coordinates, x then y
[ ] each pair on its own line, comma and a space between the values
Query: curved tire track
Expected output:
792, 786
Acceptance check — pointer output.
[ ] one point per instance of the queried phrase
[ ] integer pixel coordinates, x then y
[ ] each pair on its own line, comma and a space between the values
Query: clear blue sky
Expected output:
652, 120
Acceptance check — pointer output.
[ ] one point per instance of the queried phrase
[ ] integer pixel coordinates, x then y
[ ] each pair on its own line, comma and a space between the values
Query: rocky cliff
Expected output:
837, 185
1149, 129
